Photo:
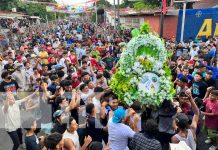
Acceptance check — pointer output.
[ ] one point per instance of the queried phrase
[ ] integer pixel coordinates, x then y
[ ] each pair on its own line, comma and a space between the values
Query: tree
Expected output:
141, 5
103, 4
127, 3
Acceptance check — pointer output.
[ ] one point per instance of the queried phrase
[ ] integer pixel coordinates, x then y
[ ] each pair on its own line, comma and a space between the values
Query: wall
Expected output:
170, 26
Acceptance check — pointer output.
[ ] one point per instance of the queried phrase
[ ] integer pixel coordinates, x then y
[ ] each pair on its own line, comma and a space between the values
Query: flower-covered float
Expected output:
143, 73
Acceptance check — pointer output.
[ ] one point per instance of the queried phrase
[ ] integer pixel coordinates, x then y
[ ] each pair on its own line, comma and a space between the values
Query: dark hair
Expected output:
52, 140
84, 62
151, 127
84, 73
71, 119
98, 89
136, 106
214, 92
89, 108
27, 123
200, 74
34, 68
4, 74
67, 83
59, 99
82, 86
95, 146
87, 82
84, 56
60, 74
99, 76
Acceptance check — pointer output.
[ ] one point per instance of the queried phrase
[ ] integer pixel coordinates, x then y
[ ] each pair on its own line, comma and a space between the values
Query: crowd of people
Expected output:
56, 88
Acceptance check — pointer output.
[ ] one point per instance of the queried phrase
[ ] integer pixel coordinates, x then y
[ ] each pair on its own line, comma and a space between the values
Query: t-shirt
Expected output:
211, 122
185, 51
74, 137
193, 53
12, 116
94, 129
9, 86
97, 104
141, 141
179, 51
119, 134
9, 68
32, 143
199, 89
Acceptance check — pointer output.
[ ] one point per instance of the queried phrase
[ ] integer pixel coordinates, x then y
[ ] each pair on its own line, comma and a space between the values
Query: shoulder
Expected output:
174, 139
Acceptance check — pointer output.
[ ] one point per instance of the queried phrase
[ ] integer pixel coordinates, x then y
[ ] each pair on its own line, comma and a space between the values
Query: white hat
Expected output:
180, 146
33, 55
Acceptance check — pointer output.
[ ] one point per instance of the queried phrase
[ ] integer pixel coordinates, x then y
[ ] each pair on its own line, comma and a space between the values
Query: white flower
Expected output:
162, 72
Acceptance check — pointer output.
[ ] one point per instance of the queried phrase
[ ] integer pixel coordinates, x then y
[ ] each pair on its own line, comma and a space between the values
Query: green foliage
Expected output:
145, 29
103, 4
28, 8
139, 6
148, 51
126, 3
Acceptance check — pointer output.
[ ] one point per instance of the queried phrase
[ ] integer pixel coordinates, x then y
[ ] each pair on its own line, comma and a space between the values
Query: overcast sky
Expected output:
112, 1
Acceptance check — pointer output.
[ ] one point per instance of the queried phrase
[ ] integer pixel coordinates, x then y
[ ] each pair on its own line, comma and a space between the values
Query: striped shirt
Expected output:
142, 142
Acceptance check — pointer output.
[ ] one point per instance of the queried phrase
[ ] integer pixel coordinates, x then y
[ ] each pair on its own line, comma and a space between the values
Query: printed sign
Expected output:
149, 83
198, 23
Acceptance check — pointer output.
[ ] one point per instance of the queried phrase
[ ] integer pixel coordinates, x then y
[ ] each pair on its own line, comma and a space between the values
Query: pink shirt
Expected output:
211, 122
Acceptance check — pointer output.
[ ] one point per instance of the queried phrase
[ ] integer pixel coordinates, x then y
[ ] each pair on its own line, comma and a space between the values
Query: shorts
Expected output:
46, 128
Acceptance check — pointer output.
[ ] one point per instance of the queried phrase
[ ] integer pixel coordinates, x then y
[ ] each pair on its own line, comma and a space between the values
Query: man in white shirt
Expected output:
64, 61
119, 133
20, 76
11, 111
71, 133
193, 51
96, 100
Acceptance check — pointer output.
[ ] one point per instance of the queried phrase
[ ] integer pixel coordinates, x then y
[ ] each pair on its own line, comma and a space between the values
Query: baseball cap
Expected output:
191, 62
58, 113
33, 55
118, 115
74, 75
19, 57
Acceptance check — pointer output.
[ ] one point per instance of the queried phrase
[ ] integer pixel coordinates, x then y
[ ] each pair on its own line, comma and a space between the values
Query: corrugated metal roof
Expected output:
205, 4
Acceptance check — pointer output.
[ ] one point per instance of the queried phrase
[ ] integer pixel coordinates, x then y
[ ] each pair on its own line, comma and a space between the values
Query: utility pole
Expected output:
161, 20
118, 14
96, 11
115, 15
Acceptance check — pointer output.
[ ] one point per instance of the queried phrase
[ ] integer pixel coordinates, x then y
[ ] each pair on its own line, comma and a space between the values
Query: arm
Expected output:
27, 98
72, 104
6, 105
208, 114
103, 110
196, 112
87, 141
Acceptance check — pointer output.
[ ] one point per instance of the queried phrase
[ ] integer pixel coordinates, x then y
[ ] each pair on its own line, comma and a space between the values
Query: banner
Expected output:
198, 23
69, 11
